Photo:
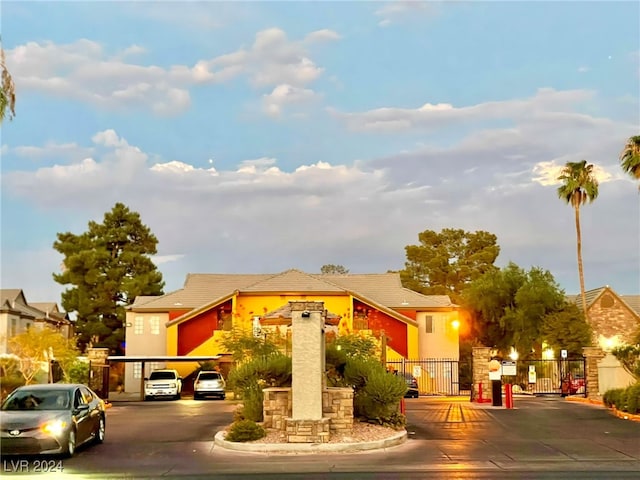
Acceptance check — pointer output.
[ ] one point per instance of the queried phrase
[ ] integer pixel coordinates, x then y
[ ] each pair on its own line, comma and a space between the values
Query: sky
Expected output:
255, 137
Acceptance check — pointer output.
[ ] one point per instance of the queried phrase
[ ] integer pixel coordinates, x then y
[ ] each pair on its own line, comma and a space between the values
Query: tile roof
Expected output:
632, 301
385, 289
14, 298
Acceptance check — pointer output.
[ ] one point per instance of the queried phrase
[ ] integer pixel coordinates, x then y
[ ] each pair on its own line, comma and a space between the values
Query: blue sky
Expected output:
262, 136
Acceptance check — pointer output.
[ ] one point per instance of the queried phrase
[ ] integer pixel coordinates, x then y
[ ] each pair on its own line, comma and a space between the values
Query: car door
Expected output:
94, 411
82, 418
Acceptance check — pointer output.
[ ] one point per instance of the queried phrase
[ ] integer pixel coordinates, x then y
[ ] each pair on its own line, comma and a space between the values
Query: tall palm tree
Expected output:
579, 186
630, 157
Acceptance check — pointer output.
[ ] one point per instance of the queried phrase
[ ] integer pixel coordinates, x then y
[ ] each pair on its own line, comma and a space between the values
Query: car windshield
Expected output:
162, 376
37, 400
209, 376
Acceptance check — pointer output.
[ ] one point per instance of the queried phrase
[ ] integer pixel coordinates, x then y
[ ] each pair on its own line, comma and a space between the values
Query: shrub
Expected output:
633, 398
78, 371
9, 383
611, 397
245, 431
252, 402
378, 400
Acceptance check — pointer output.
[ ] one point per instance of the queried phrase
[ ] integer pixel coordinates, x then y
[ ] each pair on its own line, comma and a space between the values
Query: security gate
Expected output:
437, 376
550, 377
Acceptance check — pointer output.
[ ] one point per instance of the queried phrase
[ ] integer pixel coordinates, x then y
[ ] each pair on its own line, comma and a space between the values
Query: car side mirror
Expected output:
83, 407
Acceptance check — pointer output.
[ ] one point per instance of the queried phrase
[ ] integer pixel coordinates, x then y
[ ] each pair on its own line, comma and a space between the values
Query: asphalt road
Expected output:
541, 438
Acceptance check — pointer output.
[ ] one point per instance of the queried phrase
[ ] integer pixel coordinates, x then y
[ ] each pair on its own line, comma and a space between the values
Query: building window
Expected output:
28, 326
155, 325
137, 370
428, 324
138, 325
14, 326
225, 321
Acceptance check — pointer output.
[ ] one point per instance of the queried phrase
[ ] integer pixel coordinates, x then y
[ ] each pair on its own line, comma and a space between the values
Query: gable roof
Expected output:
14, 299
632, 302
383, 289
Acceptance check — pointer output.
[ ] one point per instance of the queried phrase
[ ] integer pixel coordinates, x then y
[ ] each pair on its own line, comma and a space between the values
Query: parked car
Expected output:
576, 384
412, 385
209, 384
51, 418
163, 383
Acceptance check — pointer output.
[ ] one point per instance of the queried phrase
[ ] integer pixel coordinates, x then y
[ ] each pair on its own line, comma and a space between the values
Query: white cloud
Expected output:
397, 11
323, 35
84, 71
71, 151
284, 95
547, 103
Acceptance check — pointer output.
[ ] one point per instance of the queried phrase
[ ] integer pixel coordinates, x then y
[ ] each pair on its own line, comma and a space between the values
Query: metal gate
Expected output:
437, 376
99, 379
550, 377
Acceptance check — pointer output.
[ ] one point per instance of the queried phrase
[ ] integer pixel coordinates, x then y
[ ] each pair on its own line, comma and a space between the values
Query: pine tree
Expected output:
108, 266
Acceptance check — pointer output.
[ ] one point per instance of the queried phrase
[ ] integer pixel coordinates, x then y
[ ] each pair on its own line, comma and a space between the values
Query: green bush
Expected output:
633, 398
611, 397
78, 372
252, 402
245, 431
378, 400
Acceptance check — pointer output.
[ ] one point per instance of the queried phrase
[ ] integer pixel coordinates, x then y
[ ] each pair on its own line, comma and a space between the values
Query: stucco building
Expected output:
193, 320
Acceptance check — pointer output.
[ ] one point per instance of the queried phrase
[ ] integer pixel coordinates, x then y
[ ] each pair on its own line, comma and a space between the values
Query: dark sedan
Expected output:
50, 419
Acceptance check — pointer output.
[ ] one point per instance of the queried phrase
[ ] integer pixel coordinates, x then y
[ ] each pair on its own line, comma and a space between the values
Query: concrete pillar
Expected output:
308, 359
480, 373
592, 356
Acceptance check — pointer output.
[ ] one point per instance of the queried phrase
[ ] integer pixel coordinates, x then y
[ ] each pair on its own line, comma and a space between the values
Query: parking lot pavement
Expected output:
538, 431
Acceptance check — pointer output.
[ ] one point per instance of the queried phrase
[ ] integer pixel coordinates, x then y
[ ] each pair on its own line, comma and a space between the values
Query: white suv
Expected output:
163, 383
209, 383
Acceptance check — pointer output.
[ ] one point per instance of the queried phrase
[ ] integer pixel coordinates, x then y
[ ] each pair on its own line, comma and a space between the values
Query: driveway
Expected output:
448, 438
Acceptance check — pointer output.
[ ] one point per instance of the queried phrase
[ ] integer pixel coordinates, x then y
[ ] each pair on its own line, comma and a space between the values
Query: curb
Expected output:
396, 439
614, 411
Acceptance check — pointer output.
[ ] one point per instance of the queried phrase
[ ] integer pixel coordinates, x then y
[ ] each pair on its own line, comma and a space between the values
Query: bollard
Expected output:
508, 391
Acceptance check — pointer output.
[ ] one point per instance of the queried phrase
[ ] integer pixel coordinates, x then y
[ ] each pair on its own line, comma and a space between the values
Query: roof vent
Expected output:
405, 303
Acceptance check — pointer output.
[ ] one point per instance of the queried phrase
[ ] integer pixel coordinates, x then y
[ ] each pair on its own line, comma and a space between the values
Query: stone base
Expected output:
307, 431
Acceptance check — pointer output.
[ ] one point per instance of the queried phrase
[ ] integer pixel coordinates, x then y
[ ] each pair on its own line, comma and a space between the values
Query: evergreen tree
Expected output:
444, 263
108, 267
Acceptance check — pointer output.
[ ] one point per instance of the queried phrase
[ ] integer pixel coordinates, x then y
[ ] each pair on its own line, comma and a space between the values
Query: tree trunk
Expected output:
580, 269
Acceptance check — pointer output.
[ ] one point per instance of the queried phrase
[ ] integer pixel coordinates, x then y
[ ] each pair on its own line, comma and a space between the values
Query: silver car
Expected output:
50, 418
209, 384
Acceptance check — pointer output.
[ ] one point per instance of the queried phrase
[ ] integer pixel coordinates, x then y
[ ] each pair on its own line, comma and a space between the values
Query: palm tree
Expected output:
579, 186
7, 91
630, 157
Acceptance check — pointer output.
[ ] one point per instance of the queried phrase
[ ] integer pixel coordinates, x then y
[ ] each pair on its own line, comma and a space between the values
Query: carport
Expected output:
143, 359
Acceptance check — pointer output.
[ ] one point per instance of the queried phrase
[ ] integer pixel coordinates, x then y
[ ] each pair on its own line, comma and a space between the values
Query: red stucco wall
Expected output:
197, 330
395, 330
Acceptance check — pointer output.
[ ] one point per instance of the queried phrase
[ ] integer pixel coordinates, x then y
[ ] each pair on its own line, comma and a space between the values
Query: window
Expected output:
14, 326
137, 370
155, 325
86, 395
138, 326
428, 324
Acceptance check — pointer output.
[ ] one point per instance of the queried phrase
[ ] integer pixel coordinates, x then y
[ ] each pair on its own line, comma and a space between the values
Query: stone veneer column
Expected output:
97, 356
480, 374
592, 356
307, 358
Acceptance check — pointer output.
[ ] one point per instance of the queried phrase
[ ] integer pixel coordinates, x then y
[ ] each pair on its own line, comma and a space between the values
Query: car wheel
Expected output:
100, 432
147, 398
177, 397
70, 447
196, 396
223, 396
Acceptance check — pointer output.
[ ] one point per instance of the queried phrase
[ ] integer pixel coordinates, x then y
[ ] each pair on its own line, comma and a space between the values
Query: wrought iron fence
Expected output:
437, 376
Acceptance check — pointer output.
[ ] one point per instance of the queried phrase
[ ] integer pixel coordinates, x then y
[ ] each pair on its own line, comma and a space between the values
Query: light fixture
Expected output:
514, 354
455, 324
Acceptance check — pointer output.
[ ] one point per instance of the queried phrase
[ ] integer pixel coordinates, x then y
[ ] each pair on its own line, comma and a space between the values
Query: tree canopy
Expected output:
630, 157
36, 346
7, 91
444, 263
108, 266
331, 269
514, 308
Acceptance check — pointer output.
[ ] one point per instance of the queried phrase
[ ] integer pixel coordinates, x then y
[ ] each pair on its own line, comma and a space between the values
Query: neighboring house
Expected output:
18, 316
192, 320
614, 318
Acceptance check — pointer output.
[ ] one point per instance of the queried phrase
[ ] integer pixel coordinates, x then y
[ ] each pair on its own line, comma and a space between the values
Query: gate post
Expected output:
98, 357
592, 355
480, 371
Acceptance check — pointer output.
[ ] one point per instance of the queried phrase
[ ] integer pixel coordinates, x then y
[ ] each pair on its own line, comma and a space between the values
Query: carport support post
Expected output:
142, 381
